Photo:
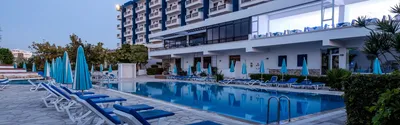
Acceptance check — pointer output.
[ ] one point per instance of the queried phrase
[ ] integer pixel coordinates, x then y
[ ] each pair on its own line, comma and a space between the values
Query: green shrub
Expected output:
336, 76
219, 76
203, 74
154, 66
362, 91
154, 71
300, 78
387, 108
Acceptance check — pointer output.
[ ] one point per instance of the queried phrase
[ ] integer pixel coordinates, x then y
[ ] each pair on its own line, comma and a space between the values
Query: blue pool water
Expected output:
242, 103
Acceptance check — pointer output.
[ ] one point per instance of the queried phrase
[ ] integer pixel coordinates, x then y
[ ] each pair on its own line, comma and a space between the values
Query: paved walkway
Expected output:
20, 106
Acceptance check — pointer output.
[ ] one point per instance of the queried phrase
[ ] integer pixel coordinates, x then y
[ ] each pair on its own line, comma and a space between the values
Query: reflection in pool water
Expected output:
247, 104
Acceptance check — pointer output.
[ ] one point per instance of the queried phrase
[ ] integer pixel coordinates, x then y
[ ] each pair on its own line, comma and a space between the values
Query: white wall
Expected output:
221, 60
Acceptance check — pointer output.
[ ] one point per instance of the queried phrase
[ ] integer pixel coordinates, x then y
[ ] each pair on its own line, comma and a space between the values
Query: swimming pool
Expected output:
242, 103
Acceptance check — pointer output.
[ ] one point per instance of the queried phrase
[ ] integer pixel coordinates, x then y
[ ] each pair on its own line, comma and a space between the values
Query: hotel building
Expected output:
217, 32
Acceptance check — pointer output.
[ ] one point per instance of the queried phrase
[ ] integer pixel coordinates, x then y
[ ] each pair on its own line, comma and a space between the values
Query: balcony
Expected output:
221, 9
128, 23
155, 27
155, 15
119, 17
128, 33
119, 26
194, 17
119, 36
140, 30
173, 9
140, 8
139, 41
128, 13
155, 3
173, 23
249, 3
140, 20
193, 3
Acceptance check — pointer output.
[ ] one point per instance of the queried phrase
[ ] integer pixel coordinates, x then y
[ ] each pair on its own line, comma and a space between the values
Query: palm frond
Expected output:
395, 9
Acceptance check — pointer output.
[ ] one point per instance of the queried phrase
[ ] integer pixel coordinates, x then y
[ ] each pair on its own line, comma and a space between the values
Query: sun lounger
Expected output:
227, 81
35, 86
271, 82
132, 117
4, 83
309, 84
287, 83
98, 99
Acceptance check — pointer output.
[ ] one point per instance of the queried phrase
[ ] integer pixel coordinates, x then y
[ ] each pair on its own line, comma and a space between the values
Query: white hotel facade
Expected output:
217, 32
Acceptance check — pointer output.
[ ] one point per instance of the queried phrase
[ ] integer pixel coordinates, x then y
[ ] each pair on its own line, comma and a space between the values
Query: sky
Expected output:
25, 21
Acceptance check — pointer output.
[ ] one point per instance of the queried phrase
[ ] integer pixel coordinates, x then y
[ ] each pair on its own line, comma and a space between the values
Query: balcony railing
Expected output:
154, 26
245, 1
171, 21
139, 19
172, 8
153, 14
154, 2
141, 29
190, 1
195, 14
127, 13
220, 7
140, 7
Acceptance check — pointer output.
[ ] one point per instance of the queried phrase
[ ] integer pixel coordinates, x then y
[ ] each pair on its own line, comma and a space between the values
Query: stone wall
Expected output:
312, 72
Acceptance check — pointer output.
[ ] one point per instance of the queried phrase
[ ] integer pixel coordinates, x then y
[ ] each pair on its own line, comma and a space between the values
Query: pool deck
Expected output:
20, 106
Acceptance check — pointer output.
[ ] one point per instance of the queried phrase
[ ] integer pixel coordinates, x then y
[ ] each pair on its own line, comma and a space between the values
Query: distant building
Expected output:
17, 53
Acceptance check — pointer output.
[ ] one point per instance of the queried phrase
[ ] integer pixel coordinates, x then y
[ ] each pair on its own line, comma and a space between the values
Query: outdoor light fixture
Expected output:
118, 7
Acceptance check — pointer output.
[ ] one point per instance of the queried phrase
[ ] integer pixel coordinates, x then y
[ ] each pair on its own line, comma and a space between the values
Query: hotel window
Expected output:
280, 60
233, 58
206, 62
300, 59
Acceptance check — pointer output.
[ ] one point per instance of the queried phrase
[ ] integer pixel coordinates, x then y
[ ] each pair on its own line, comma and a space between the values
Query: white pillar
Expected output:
343, 61
342, 13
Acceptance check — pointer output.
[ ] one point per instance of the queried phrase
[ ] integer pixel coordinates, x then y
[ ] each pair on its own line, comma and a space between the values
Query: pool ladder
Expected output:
279, 107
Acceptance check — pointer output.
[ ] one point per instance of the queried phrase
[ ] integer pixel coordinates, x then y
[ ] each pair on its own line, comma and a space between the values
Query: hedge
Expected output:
362, 92
300, 78
154, 71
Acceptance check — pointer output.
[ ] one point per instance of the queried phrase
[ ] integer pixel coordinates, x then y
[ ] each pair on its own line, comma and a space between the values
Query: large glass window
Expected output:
175, 42
229, 31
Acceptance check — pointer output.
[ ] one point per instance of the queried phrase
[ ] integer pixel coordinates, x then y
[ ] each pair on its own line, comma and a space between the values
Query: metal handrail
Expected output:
279, 108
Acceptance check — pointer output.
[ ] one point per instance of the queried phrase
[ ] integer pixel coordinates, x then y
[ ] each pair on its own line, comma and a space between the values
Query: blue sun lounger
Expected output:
271, 82
95, 99
309, 84
287, 83
132, 117
4, 83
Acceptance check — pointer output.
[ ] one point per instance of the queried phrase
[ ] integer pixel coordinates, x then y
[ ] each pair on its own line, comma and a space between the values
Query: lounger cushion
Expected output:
104, 100
95, 96
205, 123
153, 114
77, 93
133, 107
142, 117
113, 119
